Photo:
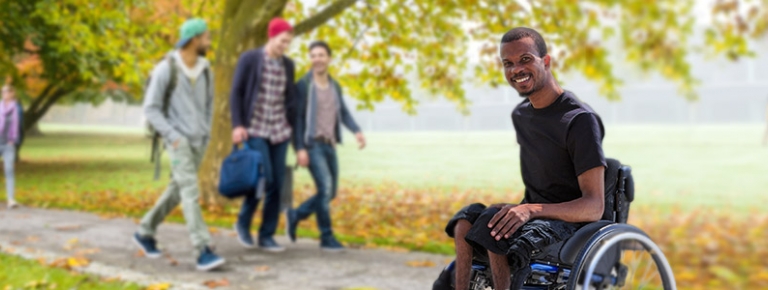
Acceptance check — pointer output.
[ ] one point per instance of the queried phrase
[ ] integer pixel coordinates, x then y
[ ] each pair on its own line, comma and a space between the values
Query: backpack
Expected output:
156, 152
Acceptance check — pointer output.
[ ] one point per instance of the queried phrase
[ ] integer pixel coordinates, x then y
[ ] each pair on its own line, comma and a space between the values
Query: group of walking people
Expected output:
269, 111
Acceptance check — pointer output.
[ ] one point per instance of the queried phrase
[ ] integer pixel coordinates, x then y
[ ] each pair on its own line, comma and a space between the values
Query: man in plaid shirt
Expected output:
261, 104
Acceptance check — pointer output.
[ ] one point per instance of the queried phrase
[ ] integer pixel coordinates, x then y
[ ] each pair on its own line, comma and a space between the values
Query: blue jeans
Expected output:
274, 169
9, 159
324, 167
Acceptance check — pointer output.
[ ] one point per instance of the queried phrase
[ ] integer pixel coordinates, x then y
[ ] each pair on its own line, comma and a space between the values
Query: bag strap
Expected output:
156, 148
171, 83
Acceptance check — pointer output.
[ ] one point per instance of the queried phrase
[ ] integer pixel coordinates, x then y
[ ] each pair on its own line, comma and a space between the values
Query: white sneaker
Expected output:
12, 204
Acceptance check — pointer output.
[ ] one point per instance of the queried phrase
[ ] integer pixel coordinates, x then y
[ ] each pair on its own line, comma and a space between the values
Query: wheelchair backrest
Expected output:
619, 191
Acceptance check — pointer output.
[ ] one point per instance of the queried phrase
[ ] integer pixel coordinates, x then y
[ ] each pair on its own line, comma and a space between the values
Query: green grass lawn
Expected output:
18, 273
674, 166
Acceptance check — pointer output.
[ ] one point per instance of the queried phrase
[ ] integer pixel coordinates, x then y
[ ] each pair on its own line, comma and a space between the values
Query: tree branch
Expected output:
323, 16
31, 117
37, 101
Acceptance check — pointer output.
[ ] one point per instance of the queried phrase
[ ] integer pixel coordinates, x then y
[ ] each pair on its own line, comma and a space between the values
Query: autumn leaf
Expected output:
77, 262
216, 283
420, 264
159, 286
68, 227
71, 244
261, 268
171, 260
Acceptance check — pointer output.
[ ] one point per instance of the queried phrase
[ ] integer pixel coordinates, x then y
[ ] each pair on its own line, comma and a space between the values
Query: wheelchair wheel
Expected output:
621, 256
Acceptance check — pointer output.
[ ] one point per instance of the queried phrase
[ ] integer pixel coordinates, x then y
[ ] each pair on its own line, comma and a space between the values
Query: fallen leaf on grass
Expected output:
110, 279
261, 268
214, 283
59, 263
420, 264
159, 286
76, 262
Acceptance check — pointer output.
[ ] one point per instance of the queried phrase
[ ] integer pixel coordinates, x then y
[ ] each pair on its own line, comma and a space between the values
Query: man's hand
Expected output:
508, 220
239, 135
302, 157
360, 140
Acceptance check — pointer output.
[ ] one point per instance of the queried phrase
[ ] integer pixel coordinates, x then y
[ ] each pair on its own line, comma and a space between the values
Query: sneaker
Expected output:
244, 236
208, 260
292, 222
12, 204
269, 245
148, 246
331, 245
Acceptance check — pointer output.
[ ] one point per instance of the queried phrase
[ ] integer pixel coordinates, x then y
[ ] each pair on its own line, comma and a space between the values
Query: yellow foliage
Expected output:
159, 286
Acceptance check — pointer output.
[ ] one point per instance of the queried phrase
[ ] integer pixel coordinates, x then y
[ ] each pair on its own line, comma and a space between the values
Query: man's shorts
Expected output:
533, 235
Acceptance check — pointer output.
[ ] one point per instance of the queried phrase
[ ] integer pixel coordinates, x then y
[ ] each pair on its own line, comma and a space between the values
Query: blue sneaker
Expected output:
331, 245
244, 236
148, 246
208, 260
269, 245
292, 223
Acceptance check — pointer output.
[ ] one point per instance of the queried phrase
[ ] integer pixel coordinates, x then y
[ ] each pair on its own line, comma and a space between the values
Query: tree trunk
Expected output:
34, 131
244, 27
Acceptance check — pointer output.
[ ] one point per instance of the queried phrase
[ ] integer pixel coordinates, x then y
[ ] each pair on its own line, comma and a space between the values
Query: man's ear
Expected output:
547, 61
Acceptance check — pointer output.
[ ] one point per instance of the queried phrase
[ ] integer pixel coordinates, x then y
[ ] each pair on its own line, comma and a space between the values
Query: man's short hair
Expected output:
518, 33
320, 43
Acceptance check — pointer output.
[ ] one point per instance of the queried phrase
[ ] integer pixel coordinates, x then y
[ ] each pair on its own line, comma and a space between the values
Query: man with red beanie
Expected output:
261, 103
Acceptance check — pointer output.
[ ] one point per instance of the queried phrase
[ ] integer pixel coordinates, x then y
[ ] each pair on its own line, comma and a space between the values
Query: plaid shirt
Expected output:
269, 119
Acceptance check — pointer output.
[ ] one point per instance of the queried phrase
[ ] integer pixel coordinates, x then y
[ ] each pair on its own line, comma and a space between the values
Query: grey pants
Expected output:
185, 161
9, 159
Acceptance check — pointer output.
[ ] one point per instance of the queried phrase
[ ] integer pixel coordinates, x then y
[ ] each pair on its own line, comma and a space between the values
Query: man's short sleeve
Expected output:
584, 141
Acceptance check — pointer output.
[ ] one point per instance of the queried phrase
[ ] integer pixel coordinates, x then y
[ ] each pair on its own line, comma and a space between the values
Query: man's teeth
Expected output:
522, 80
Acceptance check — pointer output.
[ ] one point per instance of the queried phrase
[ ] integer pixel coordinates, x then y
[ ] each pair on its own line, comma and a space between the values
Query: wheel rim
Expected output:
644, 263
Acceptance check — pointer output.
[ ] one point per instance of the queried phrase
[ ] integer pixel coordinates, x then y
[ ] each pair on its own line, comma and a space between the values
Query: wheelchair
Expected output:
607, 254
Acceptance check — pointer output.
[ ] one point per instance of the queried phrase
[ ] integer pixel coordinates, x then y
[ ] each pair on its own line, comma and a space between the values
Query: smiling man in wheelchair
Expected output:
564, 172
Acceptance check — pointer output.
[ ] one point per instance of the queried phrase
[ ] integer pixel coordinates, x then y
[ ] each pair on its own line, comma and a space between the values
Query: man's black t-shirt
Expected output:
557, 144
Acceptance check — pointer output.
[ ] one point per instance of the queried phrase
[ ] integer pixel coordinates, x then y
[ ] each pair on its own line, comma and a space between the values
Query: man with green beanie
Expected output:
178, 103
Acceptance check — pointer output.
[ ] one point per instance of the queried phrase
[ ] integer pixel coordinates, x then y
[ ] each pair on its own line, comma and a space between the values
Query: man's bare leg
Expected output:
500, 269
463, 255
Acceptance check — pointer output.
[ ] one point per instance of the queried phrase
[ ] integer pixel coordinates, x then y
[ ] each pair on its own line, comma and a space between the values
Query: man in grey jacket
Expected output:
185, 126
320, 113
